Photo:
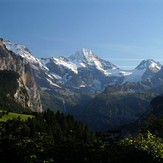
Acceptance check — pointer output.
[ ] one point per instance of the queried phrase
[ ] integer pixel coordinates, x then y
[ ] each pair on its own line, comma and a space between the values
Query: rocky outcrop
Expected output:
11, 61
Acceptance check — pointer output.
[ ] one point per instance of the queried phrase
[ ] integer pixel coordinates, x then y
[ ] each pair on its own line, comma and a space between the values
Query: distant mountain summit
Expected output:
149, 64
150, 68
20, 50
85, 58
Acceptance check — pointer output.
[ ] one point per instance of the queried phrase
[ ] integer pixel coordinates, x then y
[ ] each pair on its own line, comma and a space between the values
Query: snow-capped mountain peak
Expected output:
83, 56
149, 64
23, 51
86, 58
20, 50
88, 54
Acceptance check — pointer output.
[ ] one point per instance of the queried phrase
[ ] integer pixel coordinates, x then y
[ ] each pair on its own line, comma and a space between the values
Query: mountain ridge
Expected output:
84, 60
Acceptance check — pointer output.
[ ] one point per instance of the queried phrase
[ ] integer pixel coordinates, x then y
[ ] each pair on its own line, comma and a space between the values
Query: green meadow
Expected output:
11, 115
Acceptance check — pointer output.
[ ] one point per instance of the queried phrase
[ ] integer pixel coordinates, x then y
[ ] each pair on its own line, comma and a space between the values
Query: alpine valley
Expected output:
94, 90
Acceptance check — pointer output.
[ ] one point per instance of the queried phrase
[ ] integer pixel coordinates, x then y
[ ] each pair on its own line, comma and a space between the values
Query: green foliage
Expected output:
154, 124
49, 137
10, 115
148, 143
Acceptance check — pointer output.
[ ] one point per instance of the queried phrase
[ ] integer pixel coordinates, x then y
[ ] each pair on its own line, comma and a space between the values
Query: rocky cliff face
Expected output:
11, 61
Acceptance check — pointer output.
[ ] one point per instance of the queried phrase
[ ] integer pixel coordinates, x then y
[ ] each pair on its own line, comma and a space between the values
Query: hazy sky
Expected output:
121, 31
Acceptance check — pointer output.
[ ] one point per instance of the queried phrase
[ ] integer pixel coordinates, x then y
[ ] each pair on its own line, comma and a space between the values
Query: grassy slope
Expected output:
14, 115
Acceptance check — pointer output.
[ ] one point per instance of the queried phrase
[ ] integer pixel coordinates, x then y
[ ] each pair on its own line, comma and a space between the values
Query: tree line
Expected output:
55, 137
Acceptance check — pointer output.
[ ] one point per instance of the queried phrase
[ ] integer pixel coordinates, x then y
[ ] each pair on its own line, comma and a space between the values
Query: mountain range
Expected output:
82, 70
93, 89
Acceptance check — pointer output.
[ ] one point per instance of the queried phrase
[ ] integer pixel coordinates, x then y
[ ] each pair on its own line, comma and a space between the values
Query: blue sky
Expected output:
121, 31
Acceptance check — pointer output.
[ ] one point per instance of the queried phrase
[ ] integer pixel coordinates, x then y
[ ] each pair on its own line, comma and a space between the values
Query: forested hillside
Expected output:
50, 137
